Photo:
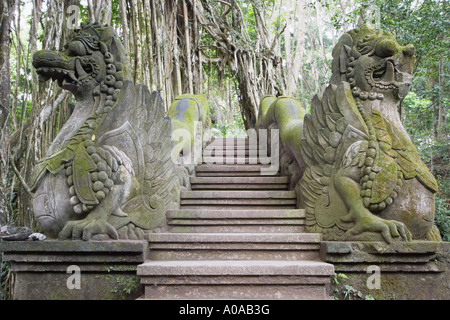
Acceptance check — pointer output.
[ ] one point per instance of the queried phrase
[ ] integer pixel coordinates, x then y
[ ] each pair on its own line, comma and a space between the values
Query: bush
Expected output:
442, 219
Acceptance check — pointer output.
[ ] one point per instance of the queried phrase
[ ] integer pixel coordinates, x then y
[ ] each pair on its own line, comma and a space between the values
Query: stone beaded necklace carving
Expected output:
106, 159
370, 170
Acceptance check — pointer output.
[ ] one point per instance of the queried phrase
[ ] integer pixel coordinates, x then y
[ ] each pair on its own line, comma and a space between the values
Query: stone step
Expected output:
237, 199
231, 146
235, 279
237, 235
264, 195
231, 170
238, 204
232, 160
239, 183
237, 144
236, 221
219, 153
233, 153
226, 139
233, 246
230, 141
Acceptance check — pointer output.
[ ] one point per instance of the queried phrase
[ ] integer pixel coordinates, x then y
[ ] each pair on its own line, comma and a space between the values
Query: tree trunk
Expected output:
442, 121
7, 12
293, 73
100, 11
124, 20
188, 47
287, 44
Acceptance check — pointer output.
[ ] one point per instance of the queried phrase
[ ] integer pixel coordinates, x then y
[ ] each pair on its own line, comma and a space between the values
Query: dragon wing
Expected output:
155, 185
334, 136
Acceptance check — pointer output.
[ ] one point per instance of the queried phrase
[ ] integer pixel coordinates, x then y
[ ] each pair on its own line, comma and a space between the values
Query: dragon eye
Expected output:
386, 48
409, 50
76, 48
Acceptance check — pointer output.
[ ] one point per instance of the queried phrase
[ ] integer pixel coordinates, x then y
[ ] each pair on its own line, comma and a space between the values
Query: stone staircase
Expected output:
237, 235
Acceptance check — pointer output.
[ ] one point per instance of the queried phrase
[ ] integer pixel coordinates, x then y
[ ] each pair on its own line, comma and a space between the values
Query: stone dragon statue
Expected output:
364, 179
108, 173
351, 161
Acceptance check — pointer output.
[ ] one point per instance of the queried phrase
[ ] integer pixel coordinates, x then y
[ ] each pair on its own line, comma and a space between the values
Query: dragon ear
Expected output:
116, 48
341, 54
120, 54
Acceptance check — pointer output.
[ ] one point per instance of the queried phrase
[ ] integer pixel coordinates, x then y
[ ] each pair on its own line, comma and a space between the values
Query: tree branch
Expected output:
21, 179
277, 36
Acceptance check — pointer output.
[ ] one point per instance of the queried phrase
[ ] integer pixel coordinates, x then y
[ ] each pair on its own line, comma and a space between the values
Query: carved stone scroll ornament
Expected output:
108, 174
364, 179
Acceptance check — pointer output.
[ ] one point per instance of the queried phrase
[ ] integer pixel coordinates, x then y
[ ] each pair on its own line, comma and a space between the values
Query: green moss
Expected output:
184, 111
287, 113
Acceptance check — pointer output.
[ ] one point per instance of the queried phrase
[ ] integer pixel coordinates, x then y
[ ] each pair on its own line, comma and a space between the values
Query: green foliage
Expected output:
345, 291
234, 129
351, 293
337, 277
442, 219
84, 13
424, 24
418, 121
435, 151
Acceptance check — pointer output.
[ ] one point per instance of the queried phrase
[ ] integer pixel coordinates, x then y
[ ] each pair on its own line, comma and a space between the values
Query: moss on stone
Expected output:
184, 111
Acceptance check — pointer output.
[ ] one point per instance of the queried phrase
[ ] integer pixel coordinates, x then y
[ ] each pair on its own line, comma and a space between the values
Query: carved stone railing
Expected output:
190, 119
286, 115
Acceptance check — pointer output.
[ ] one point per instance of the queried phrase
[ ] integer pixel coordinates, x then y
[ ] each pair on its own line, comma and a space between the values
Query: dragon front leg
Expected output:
95, 225
364, 221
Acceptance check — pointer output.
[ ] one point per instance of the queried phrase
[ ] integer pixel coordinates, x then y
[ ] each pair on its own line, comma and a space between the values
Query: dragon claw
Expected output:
389, 230
88, 229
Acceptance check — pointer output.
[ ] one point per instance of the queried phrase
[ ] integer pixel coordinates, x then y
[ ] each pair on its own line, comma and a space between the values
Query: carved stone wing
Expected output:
335, 136
158, 188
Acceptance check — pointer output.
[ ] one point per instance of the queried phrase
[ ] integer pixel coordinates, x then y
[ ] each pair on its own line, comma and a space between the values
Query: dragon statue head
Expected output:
374, 64
92, 56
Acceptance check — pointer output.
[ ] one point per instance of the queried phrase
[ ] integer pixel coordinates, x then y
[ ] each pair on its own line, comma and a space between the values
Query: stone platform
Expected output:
107, 270
128, 269
417, 270
236, 279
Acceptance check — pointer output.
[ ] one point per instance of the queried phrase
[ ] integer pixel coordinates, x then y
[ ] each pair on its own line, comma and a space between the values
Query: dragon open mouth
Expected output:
69, 77
383, 75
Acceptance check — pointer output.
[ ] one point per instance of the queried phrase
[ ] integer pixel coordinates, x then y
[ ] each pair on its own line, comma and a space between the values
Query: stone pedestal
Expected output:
109, 270
236, 279
56, 269
406, 270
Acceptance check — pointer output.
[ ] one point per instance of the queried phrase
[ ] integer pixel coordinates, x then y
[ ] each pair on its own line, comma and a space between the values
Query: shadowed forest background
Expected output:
232, 51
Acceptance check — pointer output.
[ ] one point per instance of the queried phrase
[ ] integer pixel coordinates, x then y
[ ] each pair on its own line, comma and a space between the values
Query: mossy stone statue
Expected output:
185, 111
285, 114
364, 179
108, 174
